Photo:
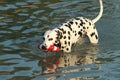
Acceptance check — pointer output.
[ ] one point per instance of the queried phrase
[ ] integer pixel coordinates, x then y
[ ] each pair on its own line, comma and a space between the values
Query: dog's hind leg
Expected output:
93, 35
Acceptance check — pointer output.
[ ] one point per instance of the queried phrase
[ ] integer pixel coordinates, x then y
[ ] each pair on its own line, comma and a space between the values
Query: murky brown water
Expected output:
22, 23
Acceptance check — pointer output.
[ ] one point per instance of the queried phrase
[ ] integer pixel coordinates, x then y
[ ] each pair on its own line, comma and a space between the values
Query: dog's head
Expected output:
51, 37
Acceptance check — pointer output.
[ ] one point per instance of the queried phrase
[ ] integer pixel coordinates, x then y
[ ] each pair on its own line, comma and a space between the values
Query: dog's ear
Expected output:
59, 35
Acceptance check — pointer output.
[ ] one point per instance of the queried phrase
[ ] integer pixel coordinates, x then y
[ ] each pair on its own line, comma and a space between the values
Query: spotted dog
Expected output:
71, 31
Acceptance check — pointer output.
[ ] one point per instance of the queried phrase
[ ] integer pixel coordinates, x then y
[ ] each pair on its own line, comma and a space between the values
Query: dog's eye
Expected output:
50, 39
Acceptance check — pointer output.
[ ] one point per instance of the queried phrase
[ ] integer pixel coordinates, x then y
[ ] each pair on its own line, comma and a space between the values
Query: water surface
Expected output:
22, 23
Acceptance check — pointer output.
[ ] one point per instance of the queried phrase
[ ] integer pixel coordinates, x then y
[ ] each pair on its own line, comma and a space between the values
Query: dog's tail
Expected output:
100, 13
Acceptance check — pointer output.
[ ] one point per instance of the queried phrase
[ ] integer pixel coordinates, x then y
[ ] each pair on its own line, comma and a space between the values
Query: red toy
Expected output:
51, 48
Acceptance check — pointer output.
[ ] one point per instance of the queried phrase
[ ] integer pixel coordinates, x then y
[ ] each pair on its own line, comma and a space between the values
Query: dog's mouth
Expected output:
52, 48
57, 45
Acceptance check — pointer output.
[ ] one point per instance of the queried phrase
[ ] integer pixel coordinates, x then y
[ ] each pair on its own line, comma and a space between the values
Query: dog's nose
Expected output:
43, 47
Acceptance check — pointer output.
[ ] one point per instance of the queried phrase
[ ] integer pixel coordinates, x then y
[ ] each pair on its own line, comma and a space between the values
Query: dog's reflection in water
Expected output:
62, 63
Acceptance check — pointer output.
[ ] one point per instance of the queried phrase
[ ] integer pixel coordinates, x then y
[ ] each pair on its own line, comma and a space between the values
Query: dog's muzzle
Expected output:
40, 46
50, 48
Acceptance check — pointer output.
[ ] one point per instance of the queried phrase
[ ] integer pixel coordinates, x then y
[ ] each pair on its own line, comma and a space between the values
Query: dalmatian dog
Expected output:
67, 34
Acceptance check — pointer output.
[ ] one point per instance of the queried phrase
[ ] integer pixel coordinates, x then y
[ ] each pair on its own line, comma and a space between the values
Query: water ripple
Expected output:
21, 3
7, 7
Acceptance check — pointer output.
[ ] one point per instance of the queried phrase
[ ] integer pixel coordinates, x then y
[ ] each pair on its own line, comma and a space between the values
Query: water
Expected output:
22, 23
